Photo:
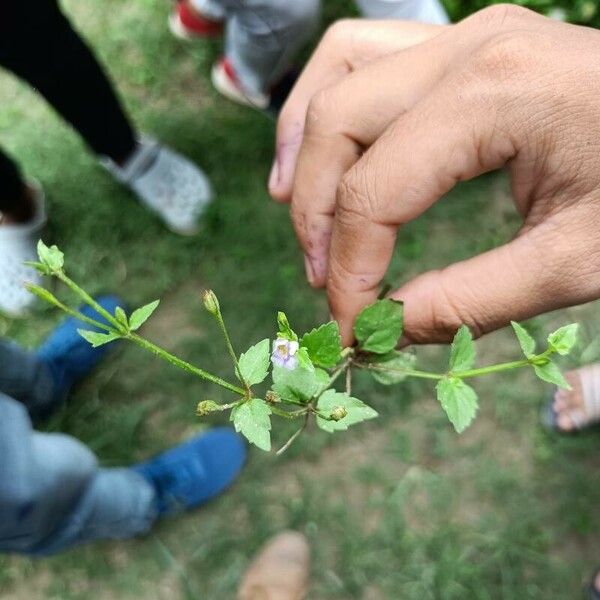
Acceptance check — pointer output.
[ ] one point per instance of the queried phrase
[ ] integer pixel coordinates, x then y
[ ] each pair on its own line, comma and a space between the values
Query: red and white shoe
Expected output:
187, 23
226, 82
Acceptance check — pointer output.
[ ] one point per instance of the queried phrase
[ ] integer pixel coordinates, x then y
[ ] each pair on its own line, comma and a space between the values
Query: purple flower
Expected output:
284, 353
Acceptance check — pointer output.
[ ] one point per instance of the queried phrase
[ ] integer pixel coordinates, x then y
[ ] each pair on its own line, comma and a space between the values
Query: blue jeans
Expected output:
53, 494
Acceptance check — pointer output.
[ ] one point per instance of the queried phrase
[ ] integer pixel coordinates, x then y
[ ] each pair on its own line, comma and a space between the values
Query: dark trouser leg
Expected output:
39, 45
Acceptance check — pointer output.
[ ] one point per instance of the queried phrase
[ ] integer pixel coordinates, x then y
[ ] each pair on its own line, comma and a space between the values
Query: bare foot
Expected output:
580, 406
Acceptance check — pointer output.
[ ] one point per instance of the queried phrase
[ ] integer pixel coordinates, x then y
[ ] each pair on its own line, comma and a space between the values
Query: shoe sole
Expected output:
224, 86
178, 29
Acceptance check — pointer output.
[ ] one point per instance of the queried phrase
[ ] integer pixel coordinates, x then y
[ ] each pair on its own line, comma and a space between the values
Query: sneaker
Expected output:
196, 471
166, 183
187, 23
69, 357
18, 245
280, 570
227, 83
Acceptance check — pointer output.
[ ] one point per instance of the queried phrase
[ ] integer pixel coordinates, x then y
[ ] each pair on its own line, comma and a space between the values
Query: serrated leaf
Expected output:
96, 339
324, 345
121, 316
379, 326
356, 411
304, 359
551, 373
50, 256
141, 315
322, 378
564, 338
298, 385
526, 342
254, 363
395, 362
285, 331
458, 400
253, 420
462, 351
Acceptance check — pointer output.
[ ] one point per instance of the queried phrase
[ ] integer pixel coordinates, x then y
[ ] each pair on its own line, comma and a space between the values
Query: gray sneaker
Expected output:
165, 182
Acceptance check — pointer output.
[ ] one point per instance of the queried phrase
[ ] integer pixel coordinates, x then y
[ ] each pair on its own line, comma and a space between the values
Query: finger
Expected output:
337, 131
346, 46
530, 275
451, 135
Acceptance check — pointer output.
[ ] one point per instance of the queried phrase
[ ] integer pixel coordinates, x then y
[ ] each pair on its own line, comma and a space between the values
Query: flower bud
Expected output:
272, 397
211, 303
338, 413
205, 407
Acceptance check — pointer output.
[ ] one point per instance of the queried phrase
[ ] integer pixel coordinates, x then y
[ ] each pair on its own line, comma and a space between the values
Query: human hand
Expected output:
505, 87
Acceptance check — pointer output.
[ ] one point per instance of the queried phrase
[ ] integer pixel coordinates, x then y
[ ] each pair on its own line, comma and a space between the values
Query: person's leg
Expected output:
53, 494
15, 204
264, 36
27, 379
38, 44
426, 11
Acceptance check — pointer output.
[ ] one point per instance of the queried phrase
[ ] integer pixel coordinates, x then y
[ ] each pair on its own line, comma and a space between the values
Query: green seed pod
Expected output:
272, 397
205, 407
211, 303
338, 413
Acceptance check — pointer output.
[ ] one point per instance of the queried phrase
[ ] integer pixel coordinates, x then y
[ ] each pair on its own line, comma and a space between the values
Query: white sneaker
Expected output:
167, 183
17, 245
227, 83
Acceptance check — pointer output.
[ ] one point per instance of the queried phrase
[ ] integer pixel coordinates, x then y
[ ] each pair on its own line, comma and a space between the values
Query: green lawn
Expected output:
399, 508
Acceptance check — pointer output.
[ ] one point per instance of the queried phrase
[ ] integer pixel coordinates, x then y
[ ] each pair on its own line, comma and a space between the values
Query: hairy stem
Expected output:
182, 364
89, 300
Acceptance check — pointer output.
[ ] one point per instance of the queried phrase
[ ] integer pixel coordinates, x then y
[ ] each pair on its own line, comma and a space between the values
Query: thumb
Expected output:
512, 282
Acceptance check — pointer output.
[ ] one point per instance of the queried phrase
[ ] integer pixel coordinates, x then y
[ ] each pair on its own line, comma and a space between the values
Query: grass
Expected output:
400, 507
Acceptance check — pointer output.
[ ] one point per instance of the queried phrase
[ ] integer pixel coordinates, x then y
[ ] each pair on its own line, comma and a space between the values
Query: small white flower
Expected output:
284, 353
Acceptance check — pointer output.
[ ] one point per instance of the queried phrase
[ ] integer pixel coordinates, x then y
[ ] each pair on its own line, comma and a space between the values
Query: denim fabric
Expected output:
53, 494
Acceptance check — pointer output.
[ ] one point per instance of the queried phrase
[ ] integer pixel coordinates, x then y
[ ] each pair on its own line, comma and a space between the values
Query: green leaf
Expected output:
526, 342
254, 363
121, 316
141, 315
253, 420
298, 385
96, 338
304, 359
396, 362
356, 411
551, 373
322, 378
379, 326
285, 331
462, 351
51, 256
563, 339
324, 345
458, 400
38, 266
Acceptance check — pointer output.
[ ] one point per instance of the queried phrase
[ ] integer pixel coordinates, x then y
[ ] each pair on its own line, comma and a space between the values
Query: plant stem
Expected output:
89, 300
182, 364
408, 372
230, 349
507, 366
288, 415
293, 438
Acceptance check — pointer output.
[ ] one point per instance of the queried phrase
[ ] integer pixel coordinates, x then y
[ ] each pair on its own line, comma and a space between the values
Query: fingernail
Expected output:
274, 175
310, 273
